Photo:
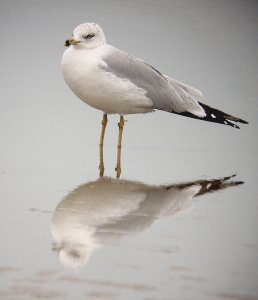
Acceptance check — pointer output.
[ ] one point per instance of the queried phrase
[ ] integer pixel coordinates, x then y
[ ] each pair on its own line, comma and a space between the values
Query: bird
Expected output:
116, 82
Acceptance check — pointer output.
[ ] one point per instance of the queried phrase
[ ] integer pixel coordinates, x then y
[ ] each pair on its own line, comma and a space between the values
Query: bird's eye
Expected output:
89, 36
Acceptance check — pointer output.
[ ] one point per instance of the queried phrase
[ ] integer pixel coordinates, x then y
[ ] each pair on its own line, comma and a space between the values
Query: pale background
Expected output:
49, 147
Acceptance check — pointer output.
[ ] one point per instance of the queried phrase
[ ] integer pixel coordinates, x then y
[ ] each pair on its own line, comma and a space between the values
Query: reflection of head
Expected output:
73, 254
74, 243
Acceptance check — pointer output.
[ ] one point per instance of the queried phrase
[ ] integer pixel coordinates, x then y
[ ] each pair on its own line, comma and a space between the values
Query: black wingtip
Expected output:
214, 115
227, 122
235, 119
218, 116
243, 121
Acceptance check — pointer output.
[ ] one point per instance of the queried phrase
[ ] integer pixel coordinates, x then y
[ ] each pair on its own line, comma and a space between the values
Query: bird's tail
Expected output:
216, 116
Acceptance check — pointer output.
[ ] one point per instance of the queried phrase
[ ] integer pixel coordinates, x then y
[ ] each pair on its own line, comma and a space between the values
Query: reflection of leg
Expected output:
101, 143
119, 146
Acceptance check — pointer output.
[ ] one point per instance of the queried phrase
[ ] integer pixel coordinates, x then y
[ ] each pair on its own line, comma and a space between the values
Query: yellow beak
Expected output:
71, 41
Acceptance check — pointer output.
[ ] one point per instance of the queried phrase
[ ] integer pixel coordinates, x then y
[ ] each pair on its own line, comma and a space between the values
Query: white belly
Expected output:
99, 88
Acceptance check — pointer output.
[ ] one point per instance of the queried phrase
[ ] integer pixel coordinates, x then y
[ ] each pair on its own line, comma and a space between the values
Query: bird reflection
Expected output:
104, 210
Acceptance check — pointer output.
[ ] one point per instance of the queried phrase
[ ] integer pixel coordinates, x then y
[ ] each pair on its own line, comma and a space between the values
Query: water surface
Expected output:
156, 233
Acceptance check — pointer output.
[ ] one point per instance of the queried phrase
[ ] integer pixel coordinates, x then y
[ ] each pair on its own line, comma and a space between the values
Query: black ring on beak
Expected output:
67, 43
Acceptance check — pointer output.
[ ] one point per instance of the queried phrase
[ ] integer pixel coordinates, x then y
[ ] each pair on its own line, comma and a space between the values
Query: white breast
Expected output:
101, 89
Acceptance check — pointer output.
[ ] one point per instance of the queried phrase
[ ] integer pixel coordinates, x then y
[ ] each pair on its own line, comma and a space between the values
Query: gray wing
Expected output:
166, 93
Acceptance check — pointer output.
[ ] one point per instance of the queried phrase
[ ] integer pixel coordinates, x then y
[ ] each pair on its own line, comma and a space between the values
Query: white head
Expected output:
87, 35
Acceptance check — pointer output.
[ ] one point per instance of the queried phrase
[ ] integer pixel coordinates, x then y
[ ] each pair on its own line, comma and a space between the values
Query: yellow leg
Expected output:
101, 144
119, 146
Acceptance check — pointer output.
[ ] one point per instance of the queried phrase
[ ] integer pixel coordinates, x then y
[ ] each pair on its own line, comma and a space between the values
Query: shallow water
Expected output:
166, 230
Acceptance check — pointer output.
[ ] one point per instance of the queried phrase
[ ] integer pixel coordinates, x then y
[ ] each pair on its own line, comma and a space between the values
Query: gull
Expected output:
117, 82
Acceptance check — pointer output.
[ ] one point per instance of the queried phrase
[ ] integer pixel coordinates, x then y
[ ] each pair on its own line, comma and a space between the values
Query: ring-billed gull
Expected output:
116, 82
